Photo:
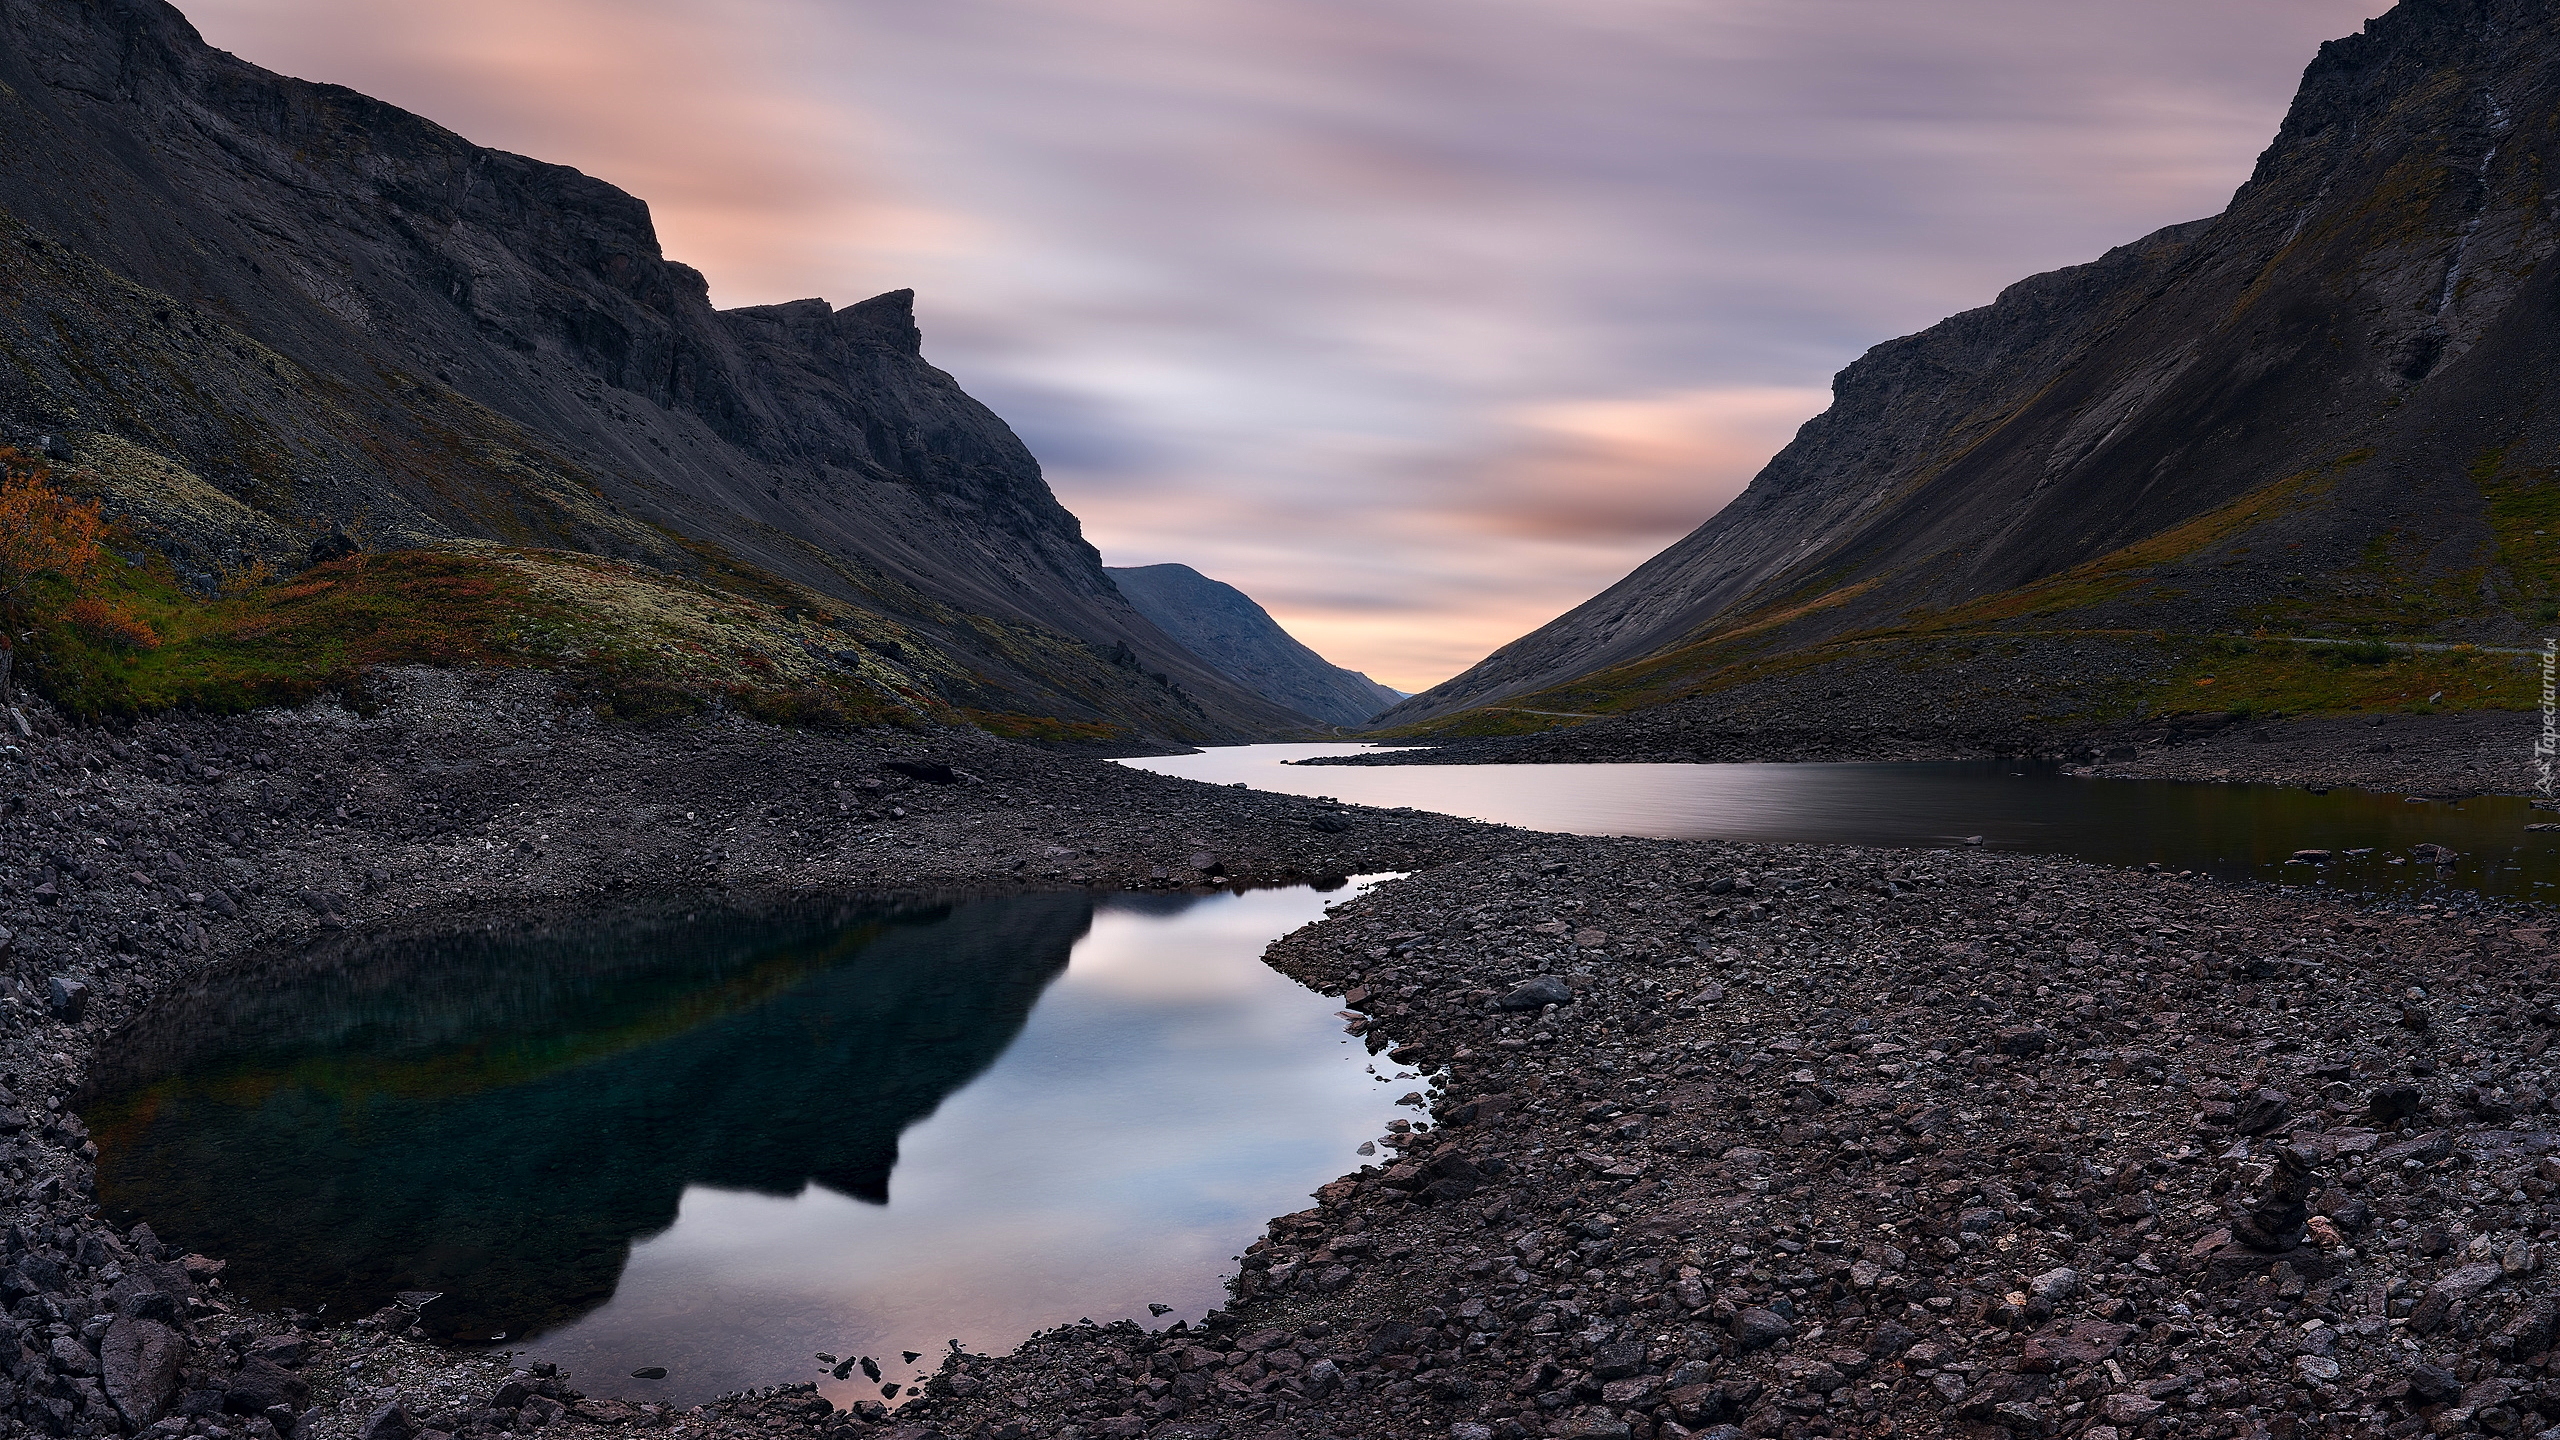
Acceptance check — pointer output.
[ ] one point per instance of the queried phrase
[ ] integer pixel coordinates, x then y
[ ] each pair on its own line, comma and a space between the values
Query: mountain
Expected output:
2318, 414
1222, 625
248, 310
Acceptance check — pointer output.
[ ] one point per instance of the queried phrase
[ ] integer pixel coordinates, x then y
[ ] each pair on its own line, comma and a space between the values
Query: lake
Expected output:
724, 1142
721, 1143
2236, 832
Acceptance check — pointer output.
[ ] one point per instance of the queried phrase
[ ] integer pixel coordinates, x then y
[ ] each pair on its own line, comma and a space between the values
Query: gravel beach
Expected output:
1792, 1140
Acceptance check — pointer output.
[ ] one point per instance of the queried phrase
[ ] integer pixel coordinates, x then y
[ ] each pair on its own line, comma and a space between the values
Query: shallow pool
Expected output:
724, 1143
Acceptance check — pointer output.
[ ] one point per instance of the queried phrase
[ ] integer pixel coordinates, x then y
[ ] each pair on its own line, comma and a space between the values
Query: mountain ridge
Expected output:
253, 307
2309, 414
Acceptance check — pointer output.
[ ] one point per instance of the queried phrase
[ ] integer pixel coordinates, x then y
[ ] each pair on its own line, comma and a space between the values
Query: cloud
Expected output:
1419, 320
1645, 470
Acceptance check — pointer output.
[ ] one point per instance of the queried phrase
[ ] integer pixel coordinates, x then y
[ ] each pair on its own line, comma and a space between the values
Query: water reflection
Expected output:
2232, 831
670, 1140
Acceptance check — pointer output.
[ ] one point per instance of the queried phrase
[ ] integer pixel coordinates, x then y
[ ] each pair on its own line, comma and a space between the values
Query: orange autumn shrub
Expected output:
42, 531
105, 623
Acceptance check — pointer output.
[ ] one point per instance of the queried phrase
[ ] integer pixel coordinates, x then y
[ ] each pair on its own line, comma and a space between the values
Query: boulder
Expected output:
260, 1385
1536, 994
391, 1422
1756, 1328
67, 998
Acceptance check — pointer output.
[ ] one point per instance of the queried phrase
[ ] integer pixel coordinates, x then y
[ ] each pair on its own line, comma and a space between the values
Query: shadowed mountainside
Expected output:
257, 309
1223, 626
2316, 414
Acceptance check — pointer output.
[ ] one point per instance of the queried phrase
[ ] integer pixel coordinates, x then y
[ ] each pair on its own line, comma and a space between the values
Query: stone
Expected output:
391, 1422
137, 1296
1536, 994
2126, 1408
1757, 1328
931, 772
2465, 1282
1891, 1338
286, 1350
2022, 1040
2278, 1219
2431, 1383
67, 999
260, 1385
2265, 1109
2056, 1285
1634, 1390
70, 1357
1449, 1177
336, 545
1618, 1361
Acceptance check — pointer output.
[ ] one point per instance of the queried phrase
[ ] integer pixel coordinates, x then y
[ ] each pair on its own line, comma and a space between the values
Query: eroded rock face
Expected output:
255, 307
2353, 333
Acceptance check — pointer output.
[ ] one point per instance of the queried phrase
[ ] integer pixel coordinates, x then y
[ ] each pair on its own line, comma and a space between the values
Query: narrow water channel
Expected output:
2235, 832
721, 1144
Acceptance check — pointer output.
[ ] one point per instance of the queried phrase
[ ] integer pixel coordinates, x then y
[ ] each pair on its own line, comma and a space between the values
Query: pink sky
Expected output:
1420, 321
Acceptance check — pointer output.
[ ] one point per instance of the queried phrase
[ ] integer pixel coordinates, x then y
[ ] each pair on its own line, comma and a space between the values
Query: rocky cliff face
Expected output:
2316, 413
1223, 626
257, 306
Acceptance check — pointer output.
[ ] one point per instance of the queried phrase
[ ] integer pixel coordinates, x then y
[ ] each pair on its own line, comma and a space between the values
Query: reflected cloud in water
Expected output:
671, 1140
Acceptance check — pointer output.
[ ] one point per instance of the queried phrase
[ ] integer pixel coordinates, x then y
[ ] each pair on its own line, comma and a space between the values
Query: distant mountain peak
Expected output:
1238, 638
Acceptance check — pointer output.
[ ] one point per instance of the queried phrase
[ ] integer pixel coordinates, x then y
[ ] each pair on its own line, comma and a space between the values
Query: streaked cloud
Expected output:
1419, 320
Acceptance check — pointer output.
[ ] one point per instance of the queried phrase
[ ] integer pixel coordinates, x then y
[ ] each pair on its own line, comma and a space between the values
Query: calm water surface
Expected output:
722, 1143
2232, 831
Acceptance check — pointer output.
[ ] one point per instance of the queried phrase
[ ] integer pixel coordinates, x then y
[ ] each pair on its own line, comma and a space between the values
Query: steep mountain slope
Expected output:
257, 307
2322, 412
1223, 626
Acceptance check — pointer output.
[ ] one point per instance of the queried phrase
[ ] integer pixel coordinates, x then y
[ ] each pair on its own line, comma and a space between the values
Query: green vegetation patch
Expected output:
2283, 677
1045, 728
634, 646
287, 641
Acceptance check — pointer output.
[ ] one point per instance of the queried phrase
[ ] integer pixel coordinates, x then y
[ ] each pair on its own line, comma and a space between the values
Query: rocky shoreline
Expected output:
137, 858
1740, 1140
2447, 755
1796, 1140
